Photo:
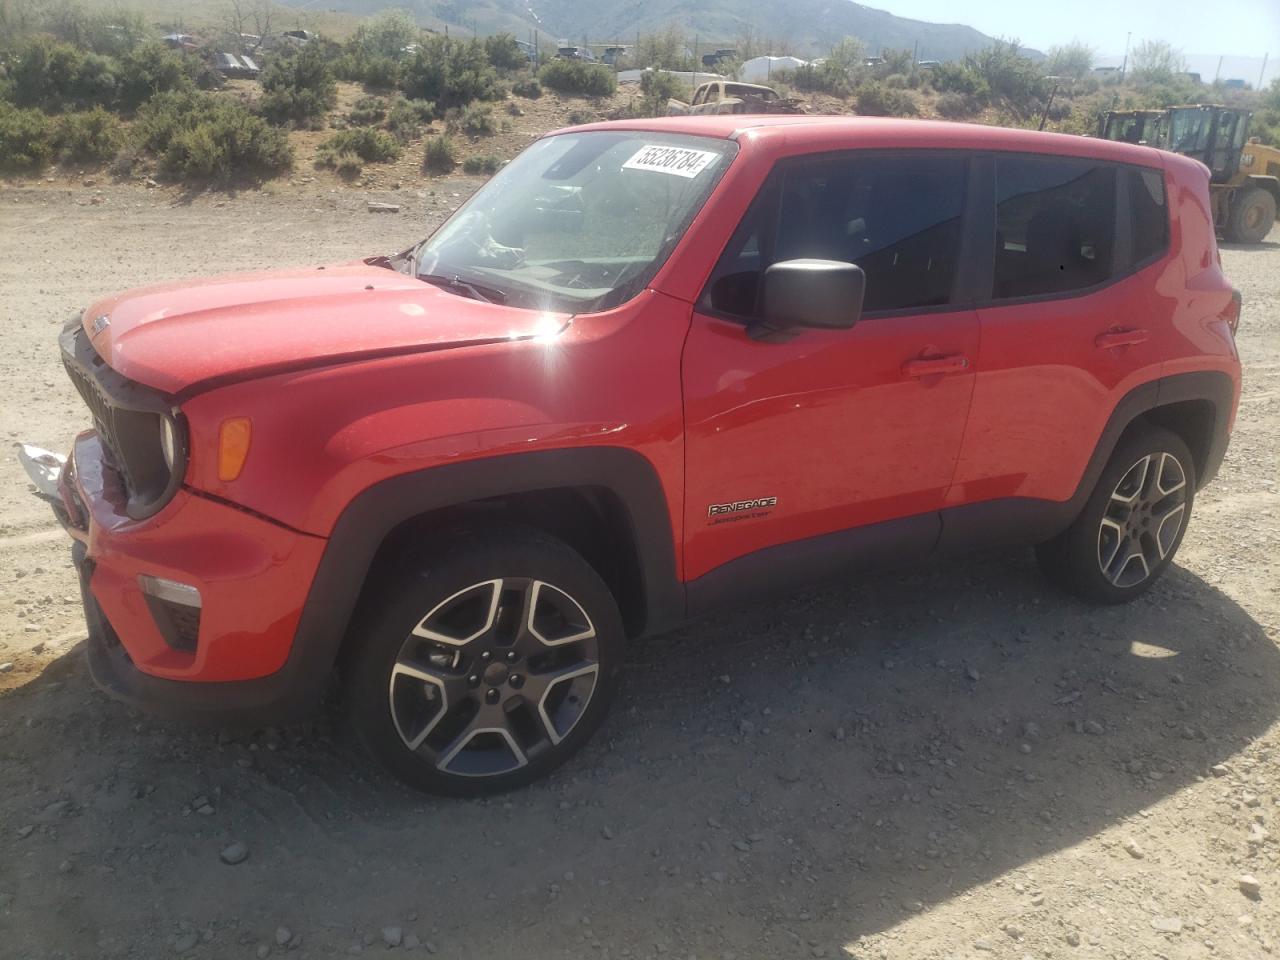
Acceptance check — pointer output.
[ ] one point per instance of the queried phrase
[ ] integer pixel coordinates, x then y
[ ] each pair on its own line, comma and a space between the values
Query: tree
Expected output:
1156, 61
1009, 76
848, 54
665, 50
299, 89
1074, 60
386, 34
248, 17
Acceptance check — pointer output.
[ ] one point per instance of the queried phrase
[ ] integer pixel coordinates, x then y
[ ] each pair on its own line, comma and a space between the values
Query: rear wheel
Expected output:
1131, 525
1253, 213
487, 666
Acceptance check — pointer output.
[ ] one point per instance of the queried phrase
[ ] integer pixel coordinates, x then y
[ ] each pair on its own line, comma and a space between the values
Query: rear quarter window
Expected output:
1148, 214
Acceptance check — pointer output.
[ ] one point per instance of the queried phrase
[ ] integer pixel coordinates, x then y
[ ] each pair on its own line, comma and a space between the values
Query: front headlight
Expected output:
169, 442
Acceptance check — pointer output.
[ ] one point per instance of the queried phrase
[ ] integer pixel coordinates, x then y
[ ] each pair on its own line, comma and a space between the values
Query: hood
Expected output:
179, 335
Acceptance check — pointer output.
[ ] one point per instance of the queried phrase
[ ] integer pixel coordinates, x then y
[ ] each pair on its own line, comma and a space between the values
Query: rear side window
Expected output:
1147, 214
898, 218
1055, 225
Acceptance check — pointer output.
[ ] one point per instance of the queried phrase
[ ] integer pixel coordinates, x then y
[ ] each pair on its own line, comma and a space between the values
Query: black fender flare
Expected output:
1209, 385
1023, 520
367, 520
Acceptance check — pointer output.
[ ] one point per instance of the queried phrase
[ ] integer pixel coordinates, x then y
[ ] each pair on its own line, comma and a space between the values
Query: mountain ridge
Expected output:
805, 28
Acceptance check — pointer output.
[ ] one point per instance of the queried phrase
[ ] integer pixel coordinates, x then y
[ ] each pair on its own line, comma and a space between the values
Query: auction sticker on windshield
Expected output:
681, 161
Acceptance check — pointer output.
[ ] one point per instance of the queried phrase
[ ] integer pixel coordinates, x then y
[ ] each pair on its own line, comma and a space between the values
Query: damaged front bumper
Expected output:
191, 612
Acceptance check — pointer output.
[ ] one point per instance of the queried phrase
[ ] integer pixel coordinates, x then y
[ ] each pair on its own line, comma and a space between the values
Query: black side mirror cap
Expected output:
825, 294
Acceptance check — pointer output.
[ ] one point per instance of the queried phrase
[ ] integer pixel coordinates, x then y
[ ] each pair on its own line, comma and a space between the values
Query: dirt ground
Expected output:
957, 763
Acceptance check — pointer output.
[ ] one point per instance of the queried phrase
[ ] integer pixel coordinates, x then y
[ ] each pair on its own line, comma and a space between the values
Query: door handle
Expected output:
1120, 338
933, 366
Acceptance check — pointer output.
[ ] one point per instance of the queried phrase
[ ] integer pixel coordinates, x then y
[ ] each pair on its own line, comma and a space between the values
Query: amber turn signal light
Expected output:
233, 446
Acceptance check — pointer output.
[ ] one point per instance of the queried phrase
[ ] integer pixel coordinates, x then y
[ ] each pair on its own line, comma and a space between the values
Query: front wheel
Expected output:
1132, 523
487, 666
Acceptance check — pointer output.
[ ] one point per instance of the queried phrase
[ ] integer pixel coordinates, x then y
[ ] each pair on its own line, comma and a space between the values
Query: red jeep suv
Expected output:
650, 367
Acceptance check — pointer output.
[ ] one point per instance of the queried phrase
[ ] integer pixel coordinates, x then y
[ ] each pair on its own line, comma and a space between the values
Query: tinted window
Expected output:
1150, 221
1055, 223
896, 217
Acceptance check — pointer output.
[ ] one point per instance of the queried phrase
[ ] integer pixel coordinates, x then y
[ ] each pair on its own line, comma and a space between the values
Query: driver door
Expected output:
810, 438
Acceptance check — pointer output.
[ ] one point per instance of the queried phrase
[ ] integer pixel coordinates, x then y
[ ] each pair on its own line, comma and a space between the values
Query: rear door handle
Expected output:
1120, 338
933, 366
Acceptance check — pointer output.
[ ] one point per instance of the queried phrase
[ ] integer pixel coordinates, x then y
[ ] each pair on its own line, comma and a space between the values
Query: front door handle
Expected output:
1120, 338
933, 366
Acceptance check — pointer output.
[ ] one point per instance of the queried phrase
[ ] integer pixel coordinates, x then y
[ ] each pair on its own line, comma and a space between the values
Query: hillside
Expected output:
805, 27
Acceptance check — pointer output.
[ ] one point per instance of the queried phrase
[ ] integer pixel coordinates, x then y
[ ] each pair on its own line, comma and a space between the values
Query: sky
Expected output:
1242, 30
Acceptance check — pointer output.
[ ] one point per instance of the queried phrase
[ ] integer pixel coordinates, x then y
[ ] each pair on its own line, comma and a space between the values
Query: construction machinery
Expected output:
1244, 173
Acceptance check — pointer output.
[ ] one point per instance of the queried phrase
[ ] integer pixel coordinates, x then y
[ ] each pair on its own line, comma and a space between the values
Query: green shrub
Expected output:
578, 117
451, 73
474, 121
439, 155
368, 111
578, 77
656, 88
957, 106
90, 137
27, 139
1012, 78
153, 68
57, 76
504, 53
406, 118
373, 146
826, 77
381, 73
958, 78
204, 137
298, 89
874, 99
384, 35
113, 32
479, 165
1074, 60
347, 165
897, 81
894, 62
530, 89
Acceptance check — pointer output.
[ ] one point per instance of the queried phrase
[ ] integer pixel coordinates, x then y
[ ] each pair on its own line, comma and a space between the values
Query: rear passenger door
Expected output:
828, 430
1071, 323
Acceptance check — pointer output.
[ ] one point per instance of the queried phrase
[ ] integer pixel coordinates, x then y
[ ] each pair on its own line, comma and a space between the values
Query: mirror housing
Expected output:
825, 294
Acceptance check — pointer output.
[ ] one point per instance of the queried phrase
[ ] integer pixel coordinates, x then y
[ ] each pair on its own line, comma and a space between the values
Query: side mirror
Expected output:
826, 294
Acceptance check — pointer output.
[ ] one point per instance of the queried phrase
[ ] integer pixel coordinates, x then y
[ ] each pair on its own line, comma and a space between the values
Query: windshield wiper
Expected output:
455, 284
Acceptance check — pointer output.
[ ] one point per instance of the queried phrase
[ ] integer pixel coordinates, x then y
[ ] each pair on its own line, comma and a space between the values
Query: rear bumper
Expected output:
241, 664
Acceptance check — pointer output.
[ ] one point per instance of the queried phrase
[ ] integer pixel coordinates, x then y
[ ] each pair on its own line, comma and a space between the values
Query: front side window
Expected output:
897, 217
578, 222
1055, 225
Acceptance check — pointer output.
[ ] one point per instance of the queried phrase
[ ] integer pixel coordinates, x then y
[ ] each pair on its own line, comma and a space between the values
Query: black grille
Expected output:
102, 412
129, 418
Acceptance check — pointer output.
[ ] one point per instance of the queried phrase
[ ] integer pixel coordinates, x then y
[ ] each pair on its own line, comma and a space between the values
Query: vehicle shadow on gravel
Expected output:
784, 779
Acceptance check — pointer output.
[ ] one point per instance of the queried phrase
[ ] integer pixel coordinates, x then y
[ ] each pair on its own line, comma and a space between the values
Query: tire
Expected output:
486, 666
1132, 523
1253, 213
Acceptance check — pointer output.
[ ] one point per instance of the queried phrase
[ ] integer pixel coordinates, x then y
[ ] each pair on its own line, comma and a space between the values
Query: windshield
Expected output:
578, 222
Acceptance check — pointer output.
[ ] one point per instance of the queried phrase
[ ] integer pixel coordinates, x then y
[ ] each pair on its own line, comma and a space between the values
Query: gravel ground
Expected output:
956, 763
